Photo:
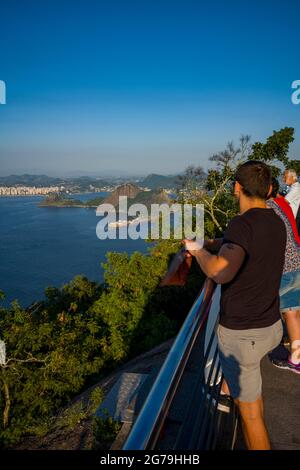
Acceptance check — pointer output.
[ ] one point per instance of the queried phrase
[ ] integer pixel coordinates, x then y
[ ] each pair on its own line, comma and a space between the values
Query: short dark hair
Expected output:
275, 187
255, 177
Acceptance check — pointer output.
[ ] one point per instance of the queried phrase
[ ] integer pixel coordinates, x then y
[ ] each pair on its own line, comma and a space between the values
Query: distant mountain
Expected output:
156, 196
155, 181
83, 183
137, 196
78, 184
133, 193
30, 180
128, 189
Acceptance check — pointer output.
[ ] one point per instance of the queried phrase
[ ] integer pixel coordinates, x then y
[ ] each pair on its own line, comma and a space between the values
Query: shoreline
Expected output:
45, 195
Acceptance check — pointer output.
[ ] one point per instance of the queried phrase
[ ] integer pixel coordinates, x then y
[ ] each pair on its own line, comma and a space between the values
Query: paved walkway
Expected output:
281, 391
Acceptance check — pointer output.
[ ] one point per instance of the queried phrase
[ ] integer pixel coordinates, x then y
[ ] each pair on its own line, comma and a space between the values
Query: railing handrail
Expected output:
148, 424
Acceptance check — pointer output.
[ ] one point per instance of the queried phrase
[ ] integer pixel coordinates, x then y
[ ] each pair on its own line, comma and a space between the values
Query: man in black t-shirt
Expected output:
249, 266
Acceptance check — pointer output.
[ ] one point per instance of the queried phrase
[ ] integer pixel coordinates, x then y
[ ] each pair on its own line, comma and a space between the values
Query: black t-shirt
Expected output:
251, 299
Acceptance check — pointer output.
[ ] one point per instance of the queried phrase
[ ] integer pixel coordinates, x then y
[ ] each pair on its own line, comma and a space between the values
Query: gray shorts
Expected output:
240, 354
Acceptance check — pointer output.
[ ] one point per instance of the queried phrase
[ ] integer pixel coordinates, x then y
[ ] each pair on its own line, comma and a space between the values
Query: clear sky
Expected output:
142, 86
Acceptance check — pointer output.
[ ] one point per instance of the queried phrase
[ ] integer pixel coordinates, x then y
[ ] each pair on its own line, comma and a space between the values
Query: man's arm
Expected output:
213, 245
222, 267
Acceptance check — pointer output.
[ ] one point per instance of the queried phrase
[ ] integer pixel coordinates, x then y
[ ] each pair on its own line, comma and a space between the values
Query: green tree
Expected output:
275, 150
217, 195
50, 354
294, 165
83, 331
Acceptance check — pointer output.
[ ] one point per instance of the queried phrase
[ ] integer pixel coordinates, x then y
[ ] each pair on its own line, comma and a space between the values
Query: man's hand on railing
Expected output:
193, 245
221, 267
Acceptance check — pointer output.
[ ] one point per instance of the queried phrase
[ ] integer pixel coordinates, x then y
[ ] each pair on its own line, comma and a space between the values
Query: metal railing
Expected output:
201, 418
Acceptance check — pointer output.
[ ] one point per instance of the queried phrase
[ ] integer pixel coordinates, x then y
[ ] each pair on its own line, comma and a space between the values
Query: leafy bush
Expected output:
80, 332
105, 431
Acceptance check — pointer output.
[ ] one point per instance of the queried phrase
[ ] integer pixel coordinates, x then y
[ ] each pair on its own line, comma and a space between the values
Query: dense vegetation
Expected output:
57, 347
82, 331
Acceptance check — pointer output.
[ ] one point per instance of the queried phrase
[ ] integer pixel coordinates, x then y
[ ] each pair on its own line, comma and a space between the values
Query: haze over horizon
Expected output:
92, 174
142, 87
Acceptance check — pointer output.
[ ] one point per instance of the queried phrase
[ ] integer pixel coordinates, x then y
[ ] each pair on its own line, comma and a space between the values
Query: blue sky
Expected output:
142, 86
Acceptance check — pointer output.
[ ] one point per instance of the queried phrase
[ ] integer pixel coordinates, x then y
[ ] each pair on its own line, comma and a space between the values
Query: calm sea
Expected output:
40, 247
